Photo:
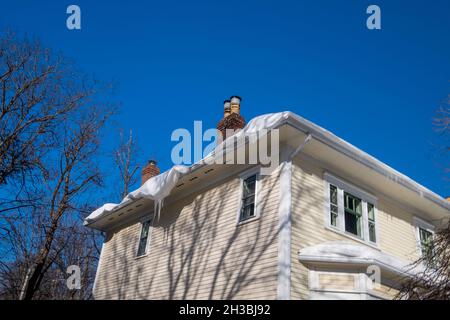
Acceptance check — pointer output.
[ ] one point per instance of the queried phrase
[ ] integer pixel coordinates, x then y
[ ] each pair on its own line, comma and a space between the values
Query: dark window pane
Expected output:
333, 194
372, 234
426, 242
352, 203
249, 185
145, 228
352, 223
248, 198
142, 248
333, 214
333, 219
333, 205
371, 211
247, 212
248, 201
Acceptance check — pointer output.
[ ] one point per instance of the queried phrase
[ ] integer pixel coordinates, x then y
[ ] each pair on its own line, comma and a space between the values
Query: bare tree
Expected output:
74, 173
442, 121
73, 245
37, 91
442, 125
433, 282
50, 124
125, 158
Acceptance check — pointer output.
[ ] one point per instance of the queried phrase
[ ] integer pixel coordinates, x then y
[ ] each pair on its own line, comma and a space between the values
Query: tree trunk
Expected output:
33, 279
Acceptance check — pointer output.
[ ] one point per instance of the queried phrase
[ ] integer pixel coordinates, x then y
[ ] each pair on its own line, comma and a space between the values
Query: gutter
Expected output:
340, 145
364, 158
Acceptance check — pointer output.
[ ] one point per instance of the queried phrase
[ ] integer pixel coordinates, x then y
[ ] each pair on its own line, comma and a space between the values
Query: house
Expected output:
329, 222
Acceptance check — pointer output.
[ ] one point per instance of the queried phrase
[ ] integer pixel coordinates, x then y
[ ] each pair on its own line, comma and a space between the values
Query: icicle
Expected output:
158, 207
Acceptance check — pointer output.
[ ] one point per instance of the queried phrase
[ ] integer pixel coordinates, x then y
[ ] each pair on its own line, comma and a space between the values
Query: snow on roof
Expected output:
156, 188
350, 253
159, 187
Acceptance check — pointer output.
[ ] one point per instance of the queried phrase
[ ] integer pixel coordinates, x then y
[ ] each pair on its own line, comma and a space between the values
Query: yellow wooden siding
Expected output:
395, 225
197, 251
336, 281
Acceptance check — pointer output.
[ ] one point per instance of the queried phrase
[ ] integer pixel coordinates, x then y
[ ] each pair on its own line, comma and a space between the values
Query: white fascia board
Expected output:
364, 158
276, 120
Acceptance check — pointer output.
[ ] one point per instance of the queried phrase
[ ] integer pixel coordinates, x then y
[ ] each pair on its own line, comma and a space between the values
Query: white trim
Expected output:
341, 252
419, 222
359, 292
149, 235
354, 238
242, 176
362, 157
386, 197
276, 120
97, 270
318, 293
343, 186
349, 187
284, 227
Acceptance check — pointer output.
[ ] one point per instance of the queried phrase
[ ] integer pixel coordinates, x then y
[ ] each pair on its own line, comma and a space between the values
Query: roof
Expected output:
159, 187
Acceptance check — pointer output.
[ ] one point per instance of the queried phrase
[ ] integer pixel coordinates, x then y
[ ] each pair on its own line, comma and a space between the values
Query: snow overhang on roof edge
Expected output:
159, 187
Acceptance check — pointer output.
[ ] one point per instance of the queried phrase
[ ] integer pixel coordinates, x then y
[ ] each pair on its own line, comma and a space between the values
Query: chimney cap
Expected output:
152, 162
227, 100
234, 98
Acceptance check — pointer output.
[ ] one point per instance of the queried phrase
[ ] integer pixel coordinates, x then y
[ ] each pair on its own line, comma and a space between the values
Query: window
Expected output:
353, 214
248, 198
333, 205
371, 222
424, 235
143, 239
426, 244
350, 210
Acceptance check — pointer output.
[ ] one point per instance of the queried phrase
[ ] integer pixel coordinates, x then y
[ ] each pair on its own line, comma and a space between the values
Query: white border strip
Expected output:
284, 237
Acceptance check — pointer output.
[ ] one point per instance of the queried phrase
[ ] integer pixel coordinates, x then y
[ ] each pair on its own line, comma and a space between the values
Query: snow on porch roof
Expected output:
159, 187
342, 252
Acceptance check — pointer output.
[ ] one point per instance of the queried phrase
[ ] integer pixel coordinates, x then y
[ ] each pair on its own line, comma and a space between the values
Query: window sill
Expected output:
140, 257
240, 223
346, 234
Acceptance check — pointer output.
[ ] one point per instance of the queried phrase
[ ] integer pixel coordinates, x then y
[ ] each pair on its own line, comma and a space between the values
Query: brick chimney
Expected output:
232, 118
150, 170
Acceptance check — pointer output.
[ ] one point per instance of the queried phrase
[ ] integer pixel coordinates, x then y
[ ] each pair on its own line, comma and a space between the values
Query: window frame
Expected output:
420, 223
149, 235
365, 197
373, 221
244, 175
354, 212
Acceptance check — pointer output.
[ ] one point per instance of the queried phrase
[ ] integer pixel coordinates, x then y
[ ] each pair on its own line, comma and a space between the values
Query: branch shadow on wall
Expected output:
197, 250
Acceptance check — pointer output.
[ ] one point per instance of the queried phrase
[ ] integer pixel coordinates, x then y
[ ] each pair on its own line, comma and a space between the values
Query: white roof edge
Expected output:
275, 120
366, 159
342, 252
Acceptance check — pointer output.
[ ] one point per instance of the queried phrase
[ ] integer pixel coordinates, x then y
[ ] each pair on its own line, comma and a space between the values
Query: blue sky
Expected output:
176, 61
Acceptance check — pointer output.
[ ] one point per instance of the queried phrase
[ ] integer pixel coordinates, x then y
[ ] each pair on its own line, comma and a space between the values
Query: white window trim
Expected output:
363, 195
361, 291
244, 175
421, 224
149, 237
